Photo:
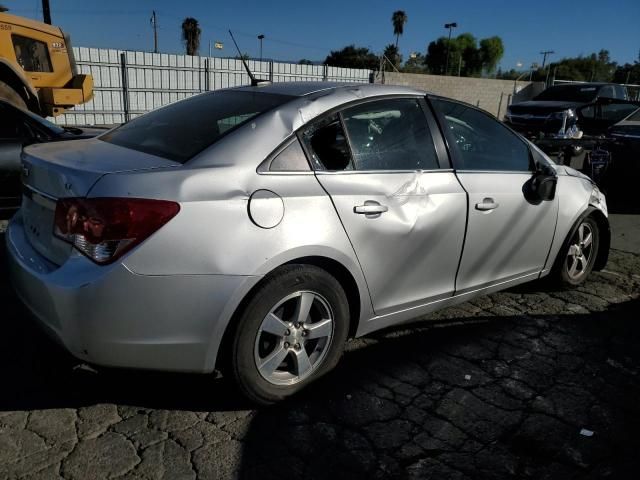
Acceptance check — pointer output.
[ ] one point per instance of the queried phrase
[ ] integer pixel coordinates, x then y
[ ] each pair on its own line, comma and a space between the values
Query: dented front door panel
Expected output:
407, 229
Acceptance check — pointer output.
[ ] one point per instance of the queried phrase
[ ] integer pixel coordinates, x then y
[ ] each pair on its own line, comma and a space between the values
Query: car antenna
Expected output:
254, 81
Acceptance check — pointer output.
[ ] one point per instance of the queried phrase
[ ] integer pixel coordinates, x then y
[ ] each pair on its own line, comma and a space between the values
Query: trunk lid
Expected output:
69, 169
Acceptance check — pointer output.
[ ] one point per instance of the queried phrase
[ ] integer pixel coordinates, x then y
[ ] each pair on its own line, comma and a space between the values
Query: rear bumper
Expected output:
110, 316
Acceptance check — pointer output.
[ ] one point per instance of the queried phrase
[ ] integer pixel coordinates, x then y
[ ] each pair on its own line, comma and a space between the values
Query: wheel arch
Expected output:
20, 84
334, 267
604, 232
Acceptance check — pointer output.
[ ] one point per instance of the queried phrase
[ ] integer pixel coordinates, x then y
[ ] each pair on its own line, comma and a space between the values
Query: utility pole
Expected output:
450, 26
46, 11
261, 38
154, 24
544, 56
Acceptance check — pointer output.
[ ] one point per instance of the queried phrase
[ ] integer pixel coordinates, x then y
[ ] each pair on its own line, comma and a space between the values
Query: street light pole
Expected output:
46, 11
261, 38
154, 24
450, 26
544, 56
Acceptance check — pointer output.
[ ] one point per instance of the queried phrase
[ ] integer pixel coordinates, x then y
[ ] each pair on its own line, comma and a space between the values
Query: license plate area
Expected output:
38, 212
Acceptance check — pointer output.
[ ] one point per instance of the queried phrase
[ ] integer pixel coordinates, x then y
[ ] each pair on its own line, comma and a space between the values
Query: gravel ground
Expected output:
541, 384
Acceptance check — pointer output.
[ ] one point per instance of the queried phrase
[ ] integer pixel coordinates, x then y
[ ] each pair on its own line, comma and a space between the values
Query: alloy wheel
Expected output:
294, 338
580, 252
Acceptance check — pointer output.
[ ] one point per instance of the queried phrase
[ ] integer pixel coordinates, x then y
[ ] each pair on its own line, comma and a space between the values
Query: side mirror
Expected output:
542, 185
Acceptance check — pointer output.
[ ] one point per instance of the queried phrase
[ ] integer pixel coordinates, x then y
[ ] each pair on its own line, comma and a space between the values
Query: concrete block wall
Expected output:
487, 93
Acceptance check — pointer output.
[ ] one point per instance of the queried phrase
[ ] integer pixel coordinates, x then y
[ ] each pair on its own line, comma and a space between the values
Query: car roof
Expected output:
302, 89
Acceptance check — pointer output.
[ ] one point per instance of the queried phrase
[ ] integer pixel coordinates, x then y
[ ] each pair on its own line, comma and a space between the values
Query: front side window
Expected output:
183, 129
390, 135
479, 141
32, 55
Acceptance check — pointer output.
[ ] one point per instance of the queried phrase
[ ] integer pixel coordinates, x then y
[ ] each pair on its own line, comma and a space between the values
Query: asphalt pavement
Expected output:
528, 383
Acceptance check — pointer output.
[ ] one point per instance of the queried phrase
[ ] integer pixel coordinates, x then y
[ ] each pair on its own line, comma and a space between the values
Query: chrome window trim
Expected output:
386, 172
512, 172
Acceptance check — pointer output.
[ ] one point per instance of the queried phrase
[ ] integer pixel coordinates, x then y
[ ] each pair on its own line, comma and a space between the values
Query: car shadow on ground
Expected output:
504, 396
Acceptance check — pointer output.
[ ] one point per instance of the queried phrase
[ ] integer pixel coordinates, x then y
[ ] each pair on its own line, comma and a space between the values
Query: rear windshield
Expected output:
570, 93
182, 130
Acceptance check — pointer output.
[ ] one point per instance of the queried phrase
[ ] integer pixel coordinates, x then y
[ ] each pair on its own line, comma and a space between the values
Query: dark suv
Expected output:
554, 112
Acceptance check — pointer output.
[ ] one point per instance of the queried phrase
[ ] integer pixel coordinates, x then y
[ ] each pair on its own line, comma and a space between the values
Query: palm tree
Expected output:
191, 35
399, 18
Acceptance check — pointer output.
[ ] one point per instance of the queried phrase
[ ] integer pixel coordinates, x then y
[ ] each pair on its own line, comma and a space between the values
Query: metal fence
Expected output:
128, 84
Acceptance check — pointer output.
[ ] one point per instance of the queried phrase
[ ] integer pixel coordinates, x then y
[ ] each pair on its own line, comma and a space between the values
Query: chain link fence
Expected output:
128, 83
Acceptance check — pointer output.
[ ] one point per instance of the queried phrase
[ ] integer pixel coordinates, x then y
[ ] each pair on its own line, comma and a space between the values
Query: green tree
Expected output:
436, 55
353, 57
491, 51
392, 53
415, 64
191, 35
398, 19
464, 55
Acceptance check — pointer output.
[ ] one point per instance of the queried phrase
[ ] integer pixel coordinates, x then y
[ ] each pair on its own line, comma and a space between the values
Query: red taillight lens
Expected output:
105, 228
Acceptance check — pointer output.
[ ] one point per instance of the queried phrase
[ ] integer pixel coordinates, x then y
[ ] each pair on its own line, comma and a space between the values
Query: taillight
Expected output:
105, 228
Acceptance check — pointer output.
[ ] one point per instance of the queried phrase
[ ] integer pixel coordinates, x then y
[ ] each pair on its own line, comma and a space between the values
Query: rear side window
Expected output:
481, 142
183, 129
327, 143
290, 159
32, 55
390, 135
607, 92
621, 92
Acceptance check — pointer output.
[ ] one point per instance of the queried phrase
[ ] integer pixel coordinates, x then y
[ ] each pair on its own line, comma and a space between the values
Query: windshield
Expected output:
183, 129
570, 93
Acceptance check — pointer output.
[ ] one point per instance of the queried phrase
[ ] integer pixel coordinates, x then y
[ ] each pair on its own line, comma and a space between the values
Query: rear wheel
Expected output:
575, 260
10, 95
291, 332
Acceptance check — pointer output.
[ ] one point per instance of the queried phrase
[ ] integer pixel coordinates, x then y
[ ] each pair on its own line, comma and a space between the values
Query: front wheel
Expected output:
291, 332
578, 254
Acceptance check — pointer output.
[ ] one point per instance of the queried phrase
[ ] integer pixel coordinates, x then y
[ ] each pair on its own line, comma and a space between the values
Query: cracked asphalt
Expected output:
529, 383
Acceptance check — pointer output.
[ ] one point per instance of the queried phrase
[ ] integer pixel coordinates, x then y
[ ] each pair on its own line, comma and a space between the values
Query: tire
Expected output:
10, 95
578, 254
270, 344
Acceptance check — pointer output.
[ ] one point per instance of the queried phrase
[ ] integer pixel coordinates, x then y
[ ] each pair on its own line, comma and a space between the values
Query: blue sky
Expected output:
297, 29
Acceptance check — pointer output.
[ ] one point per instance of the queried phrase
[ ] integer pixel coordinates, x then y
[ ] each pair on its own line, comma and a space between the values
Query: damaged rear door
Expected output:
404, 214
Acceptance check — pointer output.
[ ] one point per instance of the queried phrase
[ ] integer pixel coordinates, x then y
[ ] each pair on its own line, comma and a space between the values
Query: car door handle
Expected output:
370, 208
487, 204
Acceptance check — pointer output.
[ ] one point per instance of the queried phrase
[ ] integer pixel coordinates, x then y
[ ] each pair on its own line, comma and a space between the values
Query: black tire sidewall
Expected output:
277, 286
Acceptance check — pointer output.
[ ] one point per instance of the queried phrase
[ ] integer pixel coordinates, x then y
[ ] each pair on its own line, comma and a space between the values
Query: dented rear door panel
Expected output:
410, 252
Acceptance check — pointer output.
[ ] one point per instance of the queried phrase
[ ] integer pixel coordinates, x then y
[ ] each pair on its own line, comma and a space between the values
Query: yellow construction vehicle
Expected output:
37, 68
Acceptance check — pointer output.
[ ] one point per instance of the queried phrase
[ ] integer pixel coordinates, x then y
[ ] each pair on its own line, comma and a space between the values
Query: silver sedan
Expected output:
255, 229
